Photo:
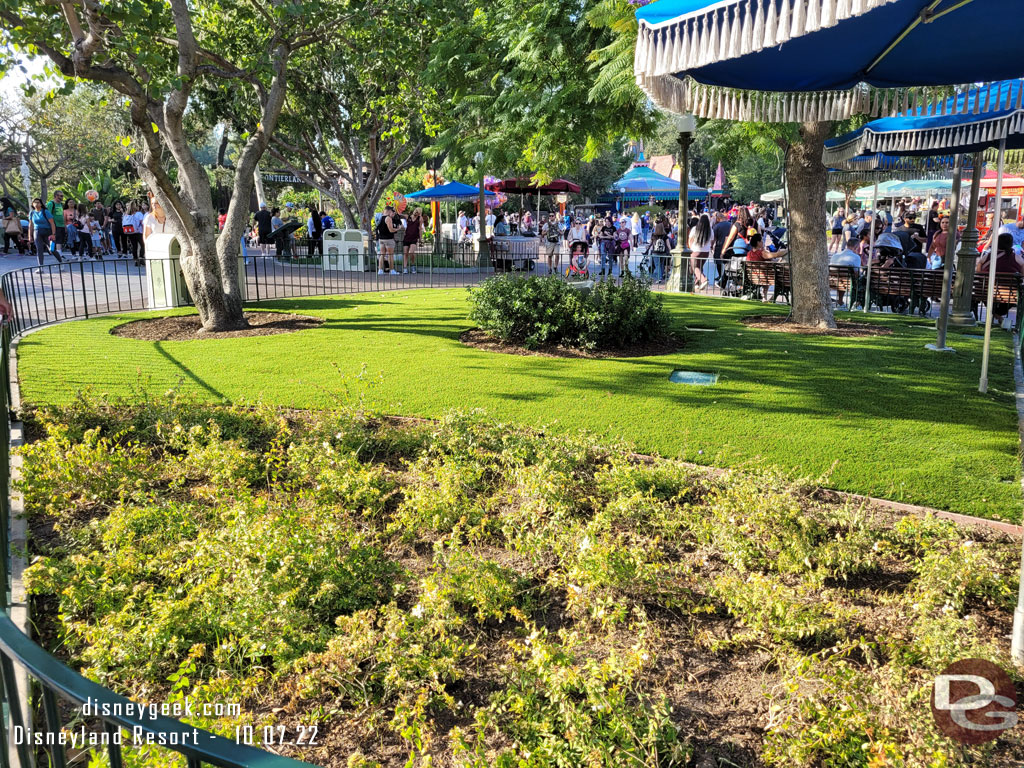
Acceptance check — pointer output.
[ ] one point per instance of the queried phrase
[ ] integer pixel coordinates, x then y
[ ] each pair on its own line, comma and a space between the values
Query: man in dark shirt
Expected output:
721, 230
911, 234
263, 227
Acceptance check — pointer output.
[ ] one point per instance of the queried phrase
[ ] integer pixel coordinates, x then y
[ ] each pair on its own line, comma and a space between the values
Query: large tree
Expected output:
359, 112
158, 57
60, 139
530, 81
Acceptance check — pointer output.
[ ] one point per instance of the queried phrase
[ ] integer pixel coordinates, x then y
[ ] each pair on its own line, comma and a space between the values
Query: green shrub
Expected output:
547, 311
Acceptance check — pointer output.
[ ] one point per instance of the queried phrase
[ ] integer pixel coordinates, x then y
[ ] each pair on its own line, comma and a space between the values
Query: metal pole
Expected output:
992, 259
482, 229
681, 253
871, 246
947, 266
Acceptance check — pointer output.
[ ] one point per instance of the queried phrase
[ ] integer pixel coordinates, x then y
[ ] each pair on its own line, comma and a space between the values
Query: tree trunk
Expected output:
219, 309
806, 178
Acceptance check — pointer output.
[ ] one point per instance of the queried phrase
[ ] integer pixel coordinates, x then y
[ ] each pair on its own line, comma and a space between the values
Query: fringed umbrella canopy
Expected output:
796, 60
641, 183
967, 123
868, 168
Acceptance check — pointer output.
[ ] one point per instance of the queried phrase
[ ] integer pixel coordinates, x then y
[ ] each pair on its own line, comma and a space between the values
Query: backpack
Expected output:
659, 246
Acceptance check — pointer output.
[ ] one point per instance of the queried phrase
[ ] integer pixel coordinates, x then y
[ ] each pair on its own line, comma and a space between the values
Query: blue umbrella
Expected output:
795, 60
453, 190
641, 183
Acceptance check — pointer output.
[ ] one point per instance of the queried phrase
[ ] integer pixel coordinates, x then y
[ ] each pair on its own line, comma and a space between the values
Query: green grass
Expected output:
879, 416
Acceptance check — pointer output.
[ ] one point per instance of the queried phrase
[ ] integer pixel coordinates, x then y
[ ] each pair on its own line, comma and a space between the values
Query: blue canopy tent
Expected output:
640, 183
453, 190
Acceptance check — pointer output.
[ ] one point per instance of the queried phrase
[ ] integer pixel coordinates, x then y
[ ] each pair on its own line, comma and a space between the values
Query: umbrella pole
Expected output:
947, 259
871, 246
993, 254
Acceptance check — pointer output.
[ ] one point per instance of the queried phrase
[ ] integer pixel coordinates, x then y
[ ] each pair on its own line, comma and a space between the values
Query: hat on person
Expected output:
263, 205
289, 205
889, 240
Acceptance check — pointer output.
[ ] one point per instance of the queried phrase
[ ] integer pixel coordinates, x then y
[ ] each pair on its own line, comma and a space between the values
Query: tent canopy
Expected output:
776, 196
750, 59
642, 183
453, 190
526, 186
866, 193
1011, 184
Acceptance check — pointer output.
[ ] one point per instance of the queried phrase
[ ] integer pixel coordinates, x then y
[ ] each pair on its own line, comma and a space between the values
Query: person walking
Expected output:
12, 231
116, 220
411, 241
264, 226
386, 241
42, 229
315, 230
56, 210
700, 248
550, 235
131, 225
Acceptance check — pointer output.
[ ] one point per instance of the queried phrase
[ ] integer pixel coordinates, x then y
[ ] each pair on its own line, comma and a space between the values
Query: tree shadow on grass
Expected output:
188, 372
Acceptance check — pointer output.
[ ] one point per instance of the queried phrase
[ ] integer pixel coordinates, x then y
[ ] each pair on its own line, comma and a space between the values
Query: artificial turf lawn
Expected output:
879, 415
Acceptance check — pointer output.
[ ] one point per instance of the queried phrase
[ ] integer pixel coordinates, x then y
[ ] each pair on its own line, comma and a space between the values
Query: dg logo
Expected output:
973, 701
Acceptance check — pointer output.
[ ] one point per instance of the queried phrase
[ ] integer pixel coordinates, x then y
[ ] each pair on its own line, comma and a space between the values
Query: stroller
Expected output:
578, 262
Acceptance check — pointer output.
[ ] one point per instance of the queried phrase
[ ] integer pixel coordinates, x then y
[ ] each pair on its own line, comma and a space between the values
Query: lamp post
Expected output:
481, 234
967, 254
687, 125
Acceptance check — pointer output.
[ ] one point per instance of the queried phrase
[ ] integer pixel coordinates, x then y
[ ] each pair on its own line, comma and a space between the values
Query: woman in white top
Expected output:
700, 247
154, 222
635, 226
131, 225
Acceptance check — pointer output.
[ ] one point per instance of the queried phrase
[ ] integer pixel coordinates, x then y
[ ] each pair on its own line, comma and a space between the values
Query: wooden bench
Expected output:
844, 280
1007, 291
761, 275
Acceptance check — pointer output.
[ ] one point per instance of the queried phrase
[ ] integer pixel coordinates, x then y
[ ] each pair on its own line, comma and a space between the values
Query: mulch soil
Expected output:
188, 327
848, 329
482, 340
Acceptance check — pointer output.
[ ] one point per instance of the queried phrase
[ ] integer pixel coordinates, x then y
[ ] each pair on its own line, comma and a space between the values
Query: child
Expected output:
623, 236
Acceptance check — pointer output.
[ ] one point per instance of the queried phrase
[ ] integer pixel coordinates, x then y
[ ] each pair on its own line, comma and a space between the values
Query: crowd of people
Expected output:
66, 229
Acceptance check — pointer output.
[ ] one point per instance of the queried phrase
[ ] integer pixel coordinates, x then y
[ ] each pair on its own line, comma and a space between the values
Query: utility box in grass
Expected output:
165, 283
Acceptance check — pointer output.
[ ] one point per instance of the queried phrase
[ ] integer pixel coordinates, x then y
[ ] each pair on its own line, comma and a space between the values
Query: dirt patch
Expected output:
188, 327
781, 323
482, 340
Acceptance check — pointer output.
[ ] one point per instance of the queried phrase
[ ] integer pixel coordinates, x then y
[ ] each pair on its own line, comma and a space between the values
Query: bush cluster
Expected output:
545, 311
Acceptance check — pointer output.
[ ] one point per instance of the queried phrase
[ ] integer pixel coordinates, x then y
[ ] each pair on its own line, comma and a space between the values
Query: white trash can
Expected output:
165, 282
333, 250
